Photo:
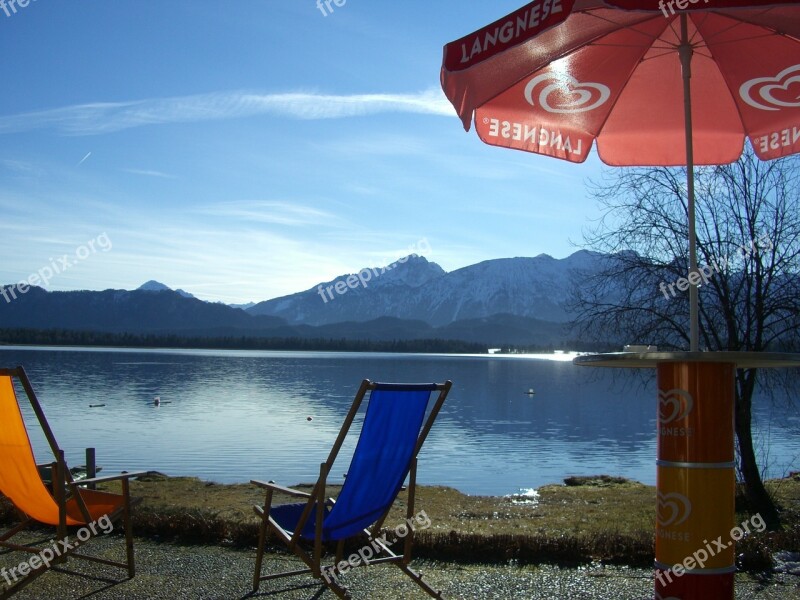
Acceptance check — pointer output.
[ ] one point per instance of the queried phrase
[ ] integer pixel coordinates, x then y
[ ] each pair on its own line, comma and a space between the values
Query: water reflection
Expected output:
231, 416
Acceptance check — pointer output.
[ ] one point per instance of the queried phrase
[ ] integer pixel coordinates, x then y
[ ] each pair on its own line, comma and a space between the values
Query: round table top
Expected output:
639, 360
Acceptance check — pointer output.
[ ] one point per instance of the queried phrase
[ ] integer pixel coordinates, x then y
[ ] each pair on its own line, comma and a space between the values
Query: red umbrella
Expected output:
655, 82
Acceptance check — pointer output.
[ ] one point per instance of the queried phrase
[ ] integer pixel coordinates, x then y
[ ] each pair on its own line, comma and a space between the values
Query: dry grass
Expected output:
621, 508
597, 518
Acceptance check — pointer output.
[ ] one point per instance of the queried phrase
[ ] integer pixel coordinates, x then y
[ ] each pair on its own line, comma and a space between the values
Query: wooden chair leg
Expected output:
420, 582
59, 479
339, 551
128, 524
323, 475
412, 490
262, 539
15, 530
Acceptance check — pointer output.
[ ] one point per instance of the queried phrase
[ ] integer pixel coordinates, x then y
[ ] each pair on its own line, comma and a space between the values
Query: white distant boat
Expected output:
639, 348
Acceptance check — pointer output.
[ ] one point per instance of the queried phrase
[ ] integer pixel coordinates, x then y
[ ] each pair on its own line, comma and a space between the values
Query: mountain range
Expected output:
420, 290
509, 301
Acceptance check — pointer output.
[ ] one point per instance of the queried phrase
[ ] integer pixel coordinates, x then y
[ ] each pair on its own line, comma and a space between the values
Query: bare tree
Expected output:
748, 228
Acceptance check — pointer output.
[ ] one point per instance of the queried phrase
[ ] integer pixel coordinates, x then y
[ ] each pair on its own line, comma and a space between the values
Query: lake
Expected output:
229, 416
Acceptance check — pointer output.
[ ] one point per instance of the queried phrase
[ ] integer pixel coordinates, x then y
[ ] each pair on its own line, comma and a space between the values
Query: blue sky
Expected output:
249, 149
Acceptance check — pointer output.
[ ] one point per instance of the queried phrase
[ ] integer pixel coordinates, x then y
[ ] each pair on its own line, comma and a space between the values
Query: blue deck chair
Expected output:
395, 427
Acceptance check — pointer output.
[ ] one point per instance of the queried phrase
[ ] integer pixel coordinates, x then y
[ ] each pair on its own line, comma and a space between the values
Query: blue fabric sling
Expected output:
380, 463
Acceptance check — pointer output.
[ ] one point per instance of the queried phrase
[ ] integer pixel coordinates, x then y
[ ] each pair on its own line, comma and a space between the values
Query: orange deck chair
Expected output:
67, 505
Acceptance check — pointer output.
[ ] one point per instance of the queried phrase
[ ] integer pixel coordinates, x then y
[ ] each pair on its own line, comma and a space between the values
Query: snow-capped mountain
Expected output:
495, 302
157, 286
420, 290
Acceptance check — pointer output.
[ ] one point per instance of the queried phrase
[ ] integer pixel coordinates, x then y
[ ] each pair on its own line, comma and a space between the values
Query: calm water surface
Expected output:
229, 416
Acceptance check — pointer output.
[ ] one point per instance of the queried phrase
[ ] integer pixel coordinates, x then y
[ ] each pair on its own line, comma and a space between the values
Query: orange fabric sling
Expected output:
19, 478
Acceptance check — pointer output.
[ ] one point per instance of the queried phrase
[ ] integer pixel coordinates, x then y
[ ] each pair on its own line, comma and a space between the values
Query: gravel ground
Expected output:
208, 572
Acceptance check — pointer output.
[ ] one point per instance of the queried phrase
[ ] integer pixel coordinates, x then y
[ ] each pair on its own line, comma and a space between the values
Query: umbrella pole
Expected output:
685, 51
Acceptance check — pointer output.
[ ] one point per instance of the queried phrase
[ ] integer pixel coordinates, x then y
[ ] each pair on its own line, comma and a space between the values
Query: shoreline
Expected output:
559, 356
602, 519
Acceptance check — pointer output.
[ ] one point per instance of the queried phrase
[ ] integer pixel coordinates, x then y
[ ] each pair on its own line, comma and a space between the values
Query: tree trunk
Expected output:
755, 492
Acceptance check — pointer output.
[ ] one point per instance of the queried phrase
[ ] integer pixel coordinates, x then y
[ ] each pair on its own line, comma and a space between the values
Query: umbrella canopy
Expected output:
556, 75
653, 82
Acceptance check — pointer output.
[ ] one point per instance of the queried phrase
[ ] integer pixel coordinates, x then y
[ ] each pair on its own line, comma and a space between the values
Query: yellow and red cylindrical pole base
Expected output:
696, 481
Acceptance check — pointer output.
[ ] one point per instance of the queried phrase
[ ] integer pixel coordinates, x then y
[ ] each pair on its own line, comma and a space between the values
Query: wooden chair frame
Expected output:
316, 502
64, 490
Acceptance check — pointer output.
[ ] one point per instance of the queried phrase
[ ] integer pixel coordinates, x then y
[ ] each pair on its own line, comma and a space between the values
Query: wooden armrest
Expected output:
106, 478
280, 488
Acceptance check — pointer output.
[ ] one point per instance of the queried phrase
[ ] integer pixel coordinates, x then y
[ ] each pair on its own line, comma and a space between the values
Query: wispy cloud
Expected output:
18, 166
378, 145
107, 117
270, 211
149, 173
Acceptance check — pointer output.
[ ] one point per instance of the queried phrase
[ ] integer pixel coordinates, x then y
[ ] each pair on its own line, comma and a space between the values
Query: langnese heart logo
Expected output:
773, 93
564, 94
674, 405
673, 509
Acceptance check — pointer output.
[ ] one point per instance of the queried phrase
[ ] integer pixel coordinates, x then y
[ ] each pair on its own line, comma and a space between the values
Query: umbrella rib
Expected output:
706, 41
594, 15
750, 38
628, 27
738, 22
594, 42
607, 45
700, 43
